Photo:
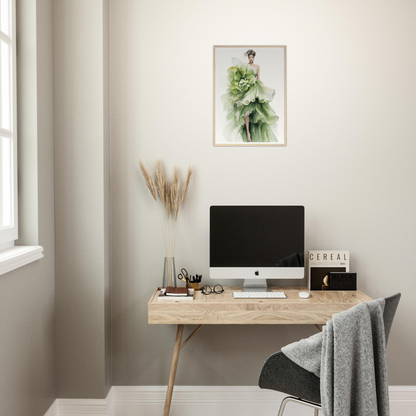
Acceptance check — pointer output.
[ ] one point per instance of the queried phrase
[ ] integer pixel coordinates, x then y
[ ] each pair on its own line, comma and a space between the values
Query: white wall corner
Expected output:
81, 407
53, 410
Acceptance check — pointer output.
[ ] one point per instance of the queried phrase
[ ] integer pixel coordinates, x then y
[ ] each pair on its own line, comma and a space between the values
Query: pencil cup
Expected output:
195, 286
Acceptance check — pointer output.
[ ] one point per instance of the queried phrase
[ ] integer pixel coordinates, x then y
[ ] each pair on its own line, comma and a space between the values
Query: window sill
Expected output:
18, 256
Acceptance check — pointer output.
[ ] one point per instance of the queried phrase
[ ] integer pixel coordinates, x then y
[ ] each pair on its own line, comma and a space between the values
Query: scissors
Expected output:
183, 275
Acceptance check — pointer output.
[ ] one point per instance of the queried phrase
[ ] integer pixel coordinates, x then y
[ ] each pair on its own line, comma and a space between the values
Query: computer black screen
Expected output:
257, 236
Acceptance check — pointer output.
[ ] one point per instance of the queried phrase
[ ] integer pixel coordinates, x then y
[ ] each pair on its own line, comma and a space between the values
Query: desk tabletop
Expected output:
219, 309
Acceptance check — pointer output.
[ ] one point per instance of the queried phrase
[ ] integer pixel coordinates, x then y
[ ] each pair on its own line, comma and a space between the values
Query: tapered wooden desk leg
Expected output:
173, 368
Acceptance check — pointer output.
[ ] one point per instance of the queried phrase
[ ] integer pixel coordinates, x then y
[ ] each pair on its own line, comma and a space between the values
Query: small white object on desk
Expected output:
259, 295
189, 297
304, 295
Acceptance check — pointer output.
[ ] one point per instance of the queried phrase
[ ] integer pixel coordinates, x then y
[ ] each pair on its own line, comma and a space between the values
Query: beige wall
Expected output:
27, 295
82, 198
349, 160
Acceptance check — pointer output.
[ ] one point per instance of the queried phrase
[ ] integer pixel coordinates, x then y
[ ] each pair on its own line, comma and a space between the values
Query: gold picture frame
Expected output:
249, 91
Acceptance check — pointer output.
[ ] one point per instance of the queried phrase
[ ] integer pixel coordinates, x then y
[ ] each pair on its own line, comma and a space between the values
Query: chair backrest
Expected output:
389, 312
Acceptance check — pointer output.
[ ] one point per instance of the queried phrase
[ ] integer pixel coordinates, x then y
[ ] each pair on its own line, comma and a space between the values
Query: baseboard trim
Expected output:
203, 400
90, 407
402, 394
194, 394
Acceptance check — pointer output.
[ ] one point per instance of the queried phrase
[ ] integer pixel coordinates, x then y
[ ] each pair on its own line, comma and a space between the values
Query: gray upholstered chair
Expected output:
281, 374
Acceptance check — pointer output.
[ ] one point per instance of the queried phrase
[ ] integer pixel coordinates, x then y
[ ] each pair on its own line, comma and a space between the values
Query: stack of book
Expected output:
322, 263
176, 293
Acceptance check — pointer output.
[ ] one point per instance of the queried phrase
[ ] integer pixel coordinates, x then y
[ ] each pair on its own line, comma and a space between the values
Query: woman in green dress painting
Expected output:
247, 104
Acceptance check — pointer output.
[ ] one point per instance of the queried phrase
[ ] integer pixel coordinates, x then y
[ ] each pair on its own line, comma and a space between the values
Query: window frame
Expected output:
9, 233
14, 256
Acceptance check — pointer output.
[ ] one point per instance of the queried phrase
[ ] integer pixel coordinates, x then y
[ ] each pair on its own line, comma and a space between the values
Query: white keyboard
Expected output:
259, 295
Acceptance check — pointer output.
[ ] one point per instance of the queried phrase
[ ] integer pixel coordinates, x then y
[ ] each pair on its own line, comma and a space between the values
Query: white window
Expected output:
8, 145
11, 256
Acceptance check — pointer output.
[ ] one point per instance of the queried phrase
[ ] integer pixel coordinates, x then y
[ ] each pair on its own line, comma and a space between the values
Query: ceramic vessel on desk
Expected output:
195, 286
169, 272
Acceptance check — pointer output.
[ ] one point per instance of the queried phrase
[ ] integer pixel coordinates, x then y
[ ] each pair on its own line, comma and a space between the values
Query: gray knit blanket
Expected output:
349, 356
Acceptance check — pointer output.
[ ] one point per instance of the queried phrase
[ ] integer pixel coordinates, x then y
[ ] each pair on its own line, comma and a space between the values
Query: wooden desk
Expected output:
223, 309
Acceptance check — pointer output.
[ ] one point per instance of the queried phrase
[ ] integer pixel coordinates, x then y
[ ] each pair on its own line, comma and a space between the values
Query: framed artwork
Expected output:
249, 96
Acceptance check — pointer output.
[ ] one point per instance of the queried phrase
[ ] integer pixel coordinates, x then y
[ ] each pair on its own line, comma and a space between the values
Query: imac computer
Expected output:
256, 243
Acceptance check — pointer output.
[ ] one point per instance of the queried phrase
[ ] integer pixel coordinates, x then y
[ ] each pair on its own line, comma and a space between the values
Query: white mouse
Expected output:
304, 295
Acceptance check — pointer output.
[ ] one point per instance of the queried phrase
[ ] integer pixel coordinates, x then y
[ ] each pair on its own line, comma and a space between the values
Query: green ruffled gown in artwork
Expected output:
246, 95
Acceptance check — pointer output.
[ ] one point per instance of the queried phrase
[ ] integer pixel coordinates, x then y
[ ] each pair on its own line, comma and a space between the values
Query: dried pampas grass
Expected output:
174, 193
170, 198
160, 180
186, 183
167, 197
148, 179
